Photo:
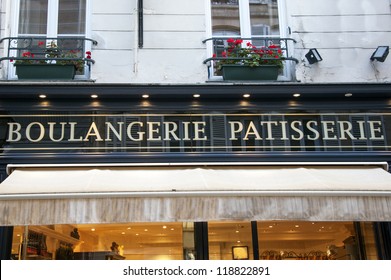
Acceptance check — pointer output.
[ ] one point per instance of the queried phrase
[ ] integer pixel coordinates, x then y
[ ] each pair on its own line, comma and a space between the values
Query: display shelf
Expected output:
55, 234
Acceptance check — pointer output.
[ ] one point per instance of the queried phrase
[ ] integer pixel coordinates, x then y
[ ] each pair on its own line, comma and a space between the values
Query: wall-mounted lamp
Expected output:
313, 56
380, 54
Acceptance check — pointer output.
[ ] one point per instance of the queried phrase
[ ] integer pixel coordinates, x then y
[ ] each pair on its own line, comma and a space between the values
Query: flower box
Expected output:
45, 71
250, 73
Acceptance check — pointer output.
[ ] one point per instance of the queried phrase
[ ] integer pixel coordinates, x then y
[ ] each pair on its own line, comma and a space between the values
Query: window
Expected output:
52, 19
246, 19
130, 241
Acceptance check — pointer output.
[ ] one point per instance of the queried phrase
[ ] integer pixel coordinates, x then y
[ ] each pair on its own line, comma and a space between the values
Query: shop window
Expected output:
311, 240
230, 241
135, 241
368, 236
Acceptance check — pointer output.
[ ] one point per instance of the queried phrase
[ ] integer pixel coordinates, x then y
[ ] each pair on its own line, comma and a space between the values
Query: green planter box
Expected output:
240, 72
45, 71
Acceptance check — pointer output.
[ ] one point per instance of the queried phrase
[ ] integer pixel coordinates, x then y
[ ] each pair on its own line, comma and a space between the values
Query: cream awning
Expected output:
56, 194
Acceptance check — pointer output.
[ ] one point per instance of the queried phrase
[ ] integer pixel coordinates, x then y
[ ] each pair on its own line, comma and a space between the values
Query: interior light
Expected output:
246, 95
296, 95
348, 94
145, 96
313, 56
42, 96
94, 96
196, 95
380, 53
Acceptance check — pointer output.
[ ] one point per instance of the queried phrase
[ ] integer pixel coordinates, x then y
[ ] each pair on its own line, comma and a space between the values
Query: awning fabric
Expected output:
112, 194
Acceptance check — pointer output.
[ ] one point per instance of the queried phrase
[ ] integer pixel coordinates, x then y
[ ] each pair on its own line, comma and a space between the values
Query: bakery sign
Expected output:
194, 132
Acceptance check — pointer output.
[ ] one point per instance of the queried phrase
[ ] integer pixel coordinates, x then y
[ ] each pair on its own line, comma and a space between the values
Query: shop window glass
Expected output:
135, 241
307, 240
230, 241
369, 241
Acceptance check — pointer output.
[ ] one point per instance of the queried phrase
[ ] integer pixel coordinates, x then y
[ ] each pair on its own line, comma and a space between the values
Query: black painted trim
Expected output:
6, 234
255, 243
201, 240
272, 91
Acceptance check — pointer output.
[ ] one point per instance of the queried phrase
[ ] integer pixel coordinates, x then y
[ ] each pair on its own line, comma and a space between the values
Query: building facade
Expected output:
147, 150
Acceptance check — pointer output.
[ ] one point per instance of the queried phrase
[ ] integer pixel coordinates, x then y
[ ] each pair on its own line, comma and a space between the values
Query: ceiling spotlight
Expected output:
296, 95
348, 94
94, 96
380, 54
42, 96
246, 95
145, 96
313, 56
196, 95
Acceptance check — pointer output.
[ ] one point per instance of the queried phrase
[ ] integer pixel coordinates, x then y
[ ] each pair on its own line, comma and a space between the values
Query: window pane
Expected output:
369, 241
133, 241
225, 17
264, 17
72, 17
307, 241
230, 241
33, 16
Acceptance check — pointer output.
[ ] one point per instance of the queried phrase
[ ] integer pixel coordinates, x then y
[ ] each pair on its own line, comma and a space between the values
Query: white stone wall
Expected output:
172, 51
346, 33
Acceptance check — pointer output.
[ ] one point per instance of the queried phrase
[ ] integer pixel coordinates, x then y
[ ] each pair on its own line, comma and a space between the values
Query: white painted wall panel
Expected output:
115, 22
337, 7
185, 67
113, 66
114, 40
172, 7
362, 24
174, 40
188, 23
341, 40
113, 6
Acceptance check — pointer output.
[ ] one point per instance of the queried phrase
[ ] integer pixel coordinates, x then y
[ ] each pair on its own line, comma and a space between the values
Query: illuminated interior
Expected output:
228, 240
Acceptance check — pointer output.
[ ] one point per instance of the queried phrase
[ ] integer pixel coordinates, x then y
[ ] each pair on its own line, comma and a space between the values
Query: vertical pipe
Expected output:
140, 24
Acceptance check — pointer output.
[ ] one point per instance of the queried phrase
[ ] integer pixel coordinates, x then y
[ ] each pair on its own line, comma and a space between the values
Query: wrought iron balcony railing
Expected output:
237, 50
47, 50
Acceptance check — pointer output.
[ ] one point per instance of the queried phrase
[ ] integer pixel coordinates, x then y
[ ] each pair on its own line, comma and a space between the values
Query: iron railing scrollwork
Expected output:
47, 49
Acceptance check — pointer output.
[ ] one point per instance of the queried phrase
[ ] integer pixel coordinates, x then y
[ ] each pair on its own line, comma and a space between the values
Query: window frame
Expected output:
51, 31
245, 32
